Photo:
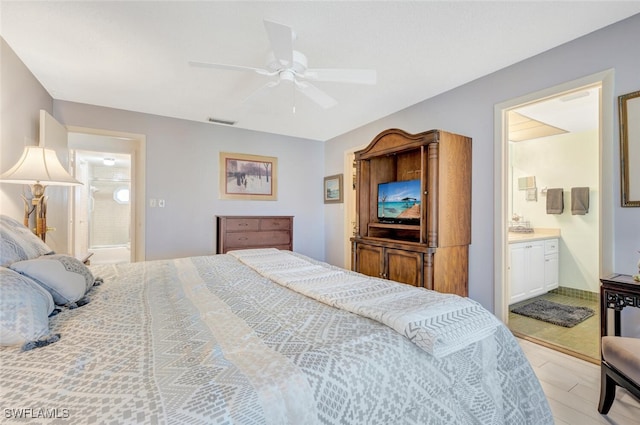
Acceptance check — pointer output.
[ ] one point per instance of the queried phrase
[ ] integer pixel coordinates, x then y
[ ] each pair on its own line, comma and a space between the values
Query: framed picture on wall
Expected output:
333, 189
629, 113
248, 177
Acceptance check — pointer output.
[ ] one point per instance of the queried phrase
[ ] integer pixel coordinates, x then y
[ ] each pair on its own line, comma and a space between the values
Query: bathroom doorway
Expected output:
103, 206
573, 154
108, 209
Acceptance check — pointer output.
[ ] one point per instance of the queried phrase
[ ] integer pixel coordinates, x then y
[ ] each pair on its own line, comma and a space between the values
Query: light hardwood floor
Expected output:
572, 387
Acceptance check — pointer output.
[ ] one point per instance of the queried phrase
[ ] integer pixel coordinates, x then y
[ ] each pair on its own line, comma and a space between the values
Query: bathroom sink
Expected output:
520, 229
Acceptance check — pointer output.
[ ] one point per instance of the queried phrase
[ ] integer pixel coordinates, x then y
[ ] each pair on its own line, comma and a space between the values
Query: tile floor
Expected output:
582, 340
572, 387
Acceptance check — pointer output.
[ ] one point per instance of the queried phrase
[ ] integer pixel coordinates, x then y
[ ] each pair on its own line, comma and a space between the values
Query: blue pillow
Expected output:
18, 243
66, 278
24, 312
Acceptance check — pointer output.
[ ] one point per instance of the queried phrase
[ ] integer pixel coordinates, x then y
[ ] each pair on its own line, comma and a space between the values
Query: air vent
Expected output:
219, 121
574, 96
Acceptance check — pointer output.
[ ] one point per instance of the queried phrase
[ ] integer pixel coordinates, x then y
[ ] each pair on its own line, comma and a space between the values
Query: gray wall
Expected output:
182, 168
21, 97
469, 110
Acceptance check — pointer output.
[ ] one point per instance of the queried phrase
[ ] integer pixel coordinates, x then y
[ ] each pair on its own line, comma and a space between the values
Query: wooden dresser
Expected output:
242, 232
432, 250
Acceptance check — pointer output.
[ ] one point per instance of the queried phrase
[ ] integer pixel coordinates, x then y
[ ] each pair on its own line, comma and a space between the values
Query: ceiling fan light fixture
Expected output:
287, 75
290, 65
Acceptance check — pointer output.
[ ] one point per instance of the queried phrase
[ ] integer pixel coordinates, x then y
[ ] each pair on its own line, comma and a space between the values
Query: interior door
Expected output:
80, 220
53, 135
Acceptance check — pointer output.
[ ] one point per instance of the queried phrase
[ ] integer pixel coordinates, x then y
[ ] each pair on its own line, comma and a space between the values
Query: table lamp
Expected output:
39, 168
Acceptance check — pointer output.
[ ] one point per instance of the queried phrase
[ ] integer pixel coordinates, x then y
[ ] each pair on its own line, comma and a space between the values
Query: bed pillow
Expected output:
24, 312
18, 243
65, 277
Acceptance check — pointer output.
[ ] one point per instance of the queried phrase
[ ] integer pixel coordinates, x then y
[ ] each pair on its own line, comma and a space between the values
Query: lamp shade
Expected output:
38, 166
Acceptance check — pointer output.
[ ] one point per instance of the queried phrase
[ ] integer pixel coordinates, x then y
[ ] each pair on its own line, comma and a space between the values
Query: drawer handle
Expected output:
275, 223
243, 239
243, 224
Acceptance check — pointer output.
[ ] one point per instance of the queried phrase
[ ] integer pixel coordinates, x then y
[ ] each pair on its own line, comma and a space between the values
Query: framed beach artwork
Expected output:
248, 177
333, 189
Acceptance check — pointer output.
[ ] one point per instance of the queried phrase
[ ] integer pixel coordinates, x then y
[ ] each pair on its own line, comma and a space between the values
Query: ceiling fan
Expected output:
290, 65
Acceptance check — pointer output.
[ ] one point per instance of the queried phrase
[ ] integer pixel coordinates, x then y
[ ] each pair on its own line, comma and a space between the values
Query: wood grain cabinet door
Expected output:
370, 260
404, 266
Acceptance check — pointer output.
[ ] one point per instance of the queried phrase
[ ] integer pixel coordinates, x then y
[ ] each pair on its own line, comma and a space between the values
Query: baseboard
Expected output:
576, 293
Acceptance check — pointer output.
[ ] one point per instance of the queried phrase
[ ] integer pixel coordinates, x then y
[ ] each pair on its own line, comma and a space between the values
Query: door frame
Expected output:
501, 176
137, 150
349, 199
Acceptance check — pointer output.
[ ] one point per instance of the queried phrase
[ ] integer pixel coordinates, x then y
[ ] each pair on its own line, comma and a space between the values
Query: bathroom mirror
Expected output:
629, 111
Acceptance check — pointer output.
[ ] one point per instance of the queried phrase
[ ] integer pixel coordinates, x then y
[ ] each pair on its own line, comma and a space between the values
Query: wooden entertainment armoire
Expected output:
433, 253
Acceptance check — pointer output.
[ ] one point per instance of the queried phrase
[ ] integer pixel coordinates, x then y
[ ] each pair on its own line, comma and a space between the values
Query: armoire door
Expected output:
404, 266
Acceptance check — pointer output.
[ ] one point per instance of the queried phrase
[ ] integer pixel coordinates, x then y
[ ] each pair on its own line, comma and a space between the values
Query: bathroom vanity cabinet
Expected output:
533, 268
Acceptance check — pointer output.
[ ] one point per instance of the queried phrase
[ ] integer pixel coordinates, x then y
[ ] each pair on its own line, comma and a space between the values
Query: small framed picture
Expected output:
333, 189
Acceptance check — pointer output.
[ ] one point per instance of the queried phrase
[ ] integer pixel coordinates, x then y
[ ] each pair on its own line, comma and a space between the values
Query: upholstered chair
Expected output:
620, 366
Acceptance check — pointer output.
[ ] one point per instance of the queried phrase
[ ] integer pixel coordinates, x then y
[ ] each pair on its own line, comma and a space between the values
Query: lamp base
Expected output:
38, 203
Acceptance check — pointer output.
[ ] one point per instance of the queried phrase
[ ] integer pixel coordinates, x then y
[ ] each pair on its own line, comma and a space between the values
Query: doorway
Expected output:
103, 206
108, 209
350, 218
572, 157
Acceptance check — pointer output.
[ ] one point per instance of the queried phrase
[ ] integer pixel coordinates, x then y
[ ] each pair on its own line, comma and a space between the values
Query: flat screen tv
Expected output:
399, 202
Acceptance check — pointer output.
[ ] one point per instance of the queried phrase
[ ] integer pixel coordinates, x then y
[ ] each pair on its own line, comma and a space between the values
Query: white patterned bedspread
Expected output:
209, 340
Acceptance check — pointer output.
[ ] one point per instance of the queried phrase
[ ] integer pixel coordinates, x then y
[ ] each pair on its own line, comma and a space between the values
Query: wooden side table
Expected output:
617, 292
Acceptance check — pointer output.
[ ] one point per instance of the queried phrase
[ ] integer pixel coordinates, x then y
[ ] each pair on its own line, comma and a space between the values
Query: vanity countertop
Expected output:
538, 233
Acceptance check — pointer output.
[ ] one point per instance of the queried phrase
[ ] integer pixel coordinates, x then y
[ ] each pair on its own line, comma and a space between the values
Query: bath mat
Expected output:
551, 312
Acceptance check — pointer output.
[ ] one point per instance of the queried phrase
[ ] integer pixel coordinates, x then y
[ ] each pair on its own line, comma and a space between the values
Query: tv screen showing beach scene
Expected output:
399, 201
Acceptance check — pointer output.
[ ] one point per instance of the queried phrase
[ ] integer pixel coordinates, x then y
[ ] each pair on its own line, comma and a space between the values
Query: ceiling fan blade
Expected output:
260, 71
315, 94
261, 90
355, 76
281, 39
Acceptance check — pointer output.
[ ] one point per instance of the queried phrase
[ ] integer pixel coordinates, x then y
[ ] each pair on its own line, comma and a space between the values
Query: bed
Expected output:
263, 337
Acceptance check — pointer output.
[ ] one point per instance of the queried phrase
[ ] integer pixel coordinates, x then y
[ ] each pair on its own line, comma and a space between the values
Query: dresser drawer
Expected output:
257, 239
274, 224
550, 246
242, 224
244, 232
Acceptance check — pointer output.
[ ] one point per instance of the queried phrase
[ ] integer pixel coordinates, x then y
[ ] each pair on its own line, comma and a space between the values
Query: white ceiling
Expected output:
574, 112
133, 55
